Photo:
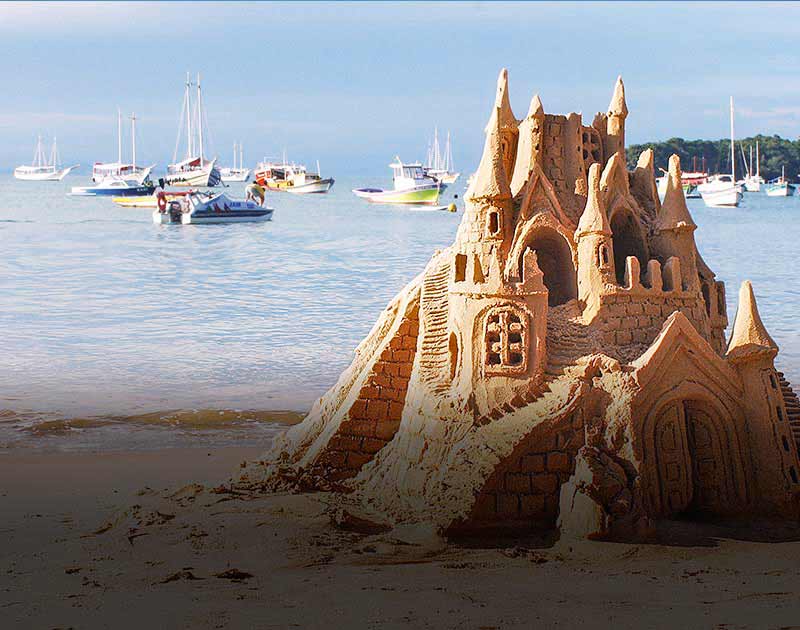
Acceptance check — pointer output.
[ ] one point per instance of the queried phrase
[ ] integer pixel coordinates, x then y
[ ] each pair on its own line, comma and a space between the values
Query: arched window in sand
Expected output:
454, 355
628, 241
506, 340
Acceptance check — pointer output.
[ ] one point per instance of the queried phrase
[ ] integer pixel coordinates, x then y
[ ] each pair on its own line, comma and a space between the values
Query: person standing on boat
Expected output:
255, 192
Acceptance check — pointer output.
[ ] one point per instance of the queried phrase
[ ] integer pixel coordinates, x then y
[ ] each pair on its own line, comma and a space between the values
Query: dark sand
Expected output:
109, 541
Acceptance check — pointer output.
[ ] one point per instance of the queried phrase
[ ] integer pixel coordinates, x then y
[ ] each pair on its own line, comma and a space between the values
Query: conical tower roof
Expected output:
674, 212
502, 105
749, 337
594, 219
618, 106
526, 152
490, 179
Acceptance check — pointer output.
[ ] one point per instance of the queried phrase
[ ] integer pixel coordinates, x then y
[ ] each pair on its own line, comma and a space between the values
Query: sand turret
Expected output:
615, 123
749, 338
595, 247
506, 122
529, 147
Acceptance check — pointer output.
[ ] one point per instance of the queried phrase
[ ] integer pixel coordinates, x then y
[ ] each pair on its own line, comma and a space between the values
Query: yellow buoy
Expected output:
452, 207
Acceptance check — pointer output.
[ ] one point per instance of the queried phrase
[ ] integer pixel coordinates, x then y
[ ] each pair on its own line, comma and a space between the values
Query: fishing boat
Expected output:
440, 166
199, 208
234, 173
690, 180
114, 186
722, 191
43, 169
120, 169
411, 186
780, 186
291, 178
194, 170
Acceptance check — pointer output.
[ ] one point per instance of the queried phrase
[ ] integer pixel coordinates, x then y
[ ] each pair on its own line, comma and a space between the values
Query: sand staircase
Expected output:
567, 340
434, 350
792, 407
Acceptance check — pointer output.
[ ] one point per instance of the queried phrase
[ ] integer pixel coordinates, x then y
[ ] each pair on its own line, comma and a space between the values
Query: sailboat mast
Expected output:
751, 159
188, 98
54, 152
234, 156
200, 118
241, 160
758, 161
133, 140
119, 136
733, 151
37, 159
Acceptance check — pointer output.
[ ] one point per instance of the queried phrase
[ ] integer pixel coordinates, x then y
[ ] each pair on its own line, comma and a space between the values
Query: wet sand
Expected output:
126, 540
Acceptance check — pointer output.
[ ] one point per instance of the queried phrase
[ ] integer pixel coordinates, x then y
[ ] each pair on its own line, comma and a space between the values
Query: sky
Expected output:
354, 84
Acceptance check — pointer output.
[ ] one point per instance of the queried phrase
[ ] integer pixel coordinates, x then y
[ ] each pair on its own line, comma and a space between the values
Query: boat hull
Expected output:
91, 191
55, 176
724, 198
312, 188
205, 177
421, 195
231, 176
780, 190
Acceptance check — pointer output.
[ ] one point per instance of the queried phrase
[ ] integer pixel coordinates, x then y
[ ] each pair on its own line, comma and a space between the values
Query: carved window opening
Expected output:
506, 341
780, 413
477, 270
706, 297
461, 268
785, 443
494, 223
793, 474
628, 241
453, 347
602, 256
773, 381
721, 298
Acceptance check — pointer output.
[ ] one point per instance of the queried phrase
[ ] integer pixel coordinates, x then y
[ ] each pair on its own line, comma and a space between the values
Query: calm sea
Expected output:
116, 333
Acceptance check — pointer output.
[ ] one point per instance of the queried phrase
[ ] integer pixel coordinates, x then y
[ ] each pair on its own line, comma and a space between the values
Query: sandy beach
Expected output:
126, 540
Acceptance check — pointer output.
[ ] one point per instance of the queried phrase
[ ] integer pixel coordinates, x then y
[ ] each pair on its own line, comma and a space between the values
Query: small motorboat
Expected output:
115, 186
411, 186
721, 191
780, 187
197, 208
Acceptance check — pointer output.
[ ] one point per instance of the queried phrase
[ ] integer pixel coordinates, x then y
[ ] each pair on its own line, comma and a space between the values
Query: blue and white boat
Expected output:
780, 187
115, 186
197, 207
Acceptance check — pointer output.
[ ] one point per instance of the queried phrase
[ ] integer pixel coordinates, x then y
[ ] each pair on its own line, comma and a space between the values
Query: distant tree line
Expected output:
775, 153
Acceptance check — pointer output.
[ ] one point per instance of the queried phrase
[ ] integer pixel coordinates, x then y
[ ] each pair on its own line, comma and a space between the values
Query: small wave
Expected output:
209, 419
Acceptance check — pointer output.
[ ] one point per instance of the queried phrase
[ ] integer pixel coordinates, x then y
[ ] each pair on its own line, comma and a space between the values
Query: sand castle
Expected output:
562, 365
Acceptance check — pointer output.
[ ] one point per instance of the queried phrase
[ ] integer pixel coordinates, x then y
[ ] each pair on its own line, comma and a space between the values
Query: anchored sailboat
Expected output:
43, 169
722, 191
120, 169
440, 166
194, 169
234, 173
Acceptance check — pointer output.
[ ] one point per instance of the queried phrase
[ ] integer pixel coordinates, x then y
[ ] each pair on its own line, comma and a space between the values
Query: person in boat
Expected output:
255, 192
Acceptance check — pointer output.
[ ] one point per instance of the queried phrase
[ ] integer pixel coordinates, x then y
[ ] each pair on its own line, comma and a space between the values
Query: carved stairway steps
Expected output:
434, 350
566, 341
792, 407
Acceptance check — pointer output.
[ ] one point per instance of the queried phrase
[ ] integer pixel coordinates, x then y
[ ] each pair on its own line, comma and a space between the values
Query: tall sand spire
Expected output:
749, 336
674, 211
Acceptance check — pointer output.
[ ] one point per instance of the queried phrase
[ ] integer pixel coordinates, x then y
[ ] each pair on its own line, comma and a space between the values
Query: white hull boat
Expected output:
120, 169
115, 186
197, 208
440, 166
722, 198
235, 173
291, 178
190, 173
722, 191
43, 170
780, 187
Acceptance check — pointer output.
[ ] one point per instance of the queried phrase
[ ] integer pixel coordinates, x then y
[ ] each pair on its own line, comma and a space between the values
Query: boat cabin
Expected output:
409, 175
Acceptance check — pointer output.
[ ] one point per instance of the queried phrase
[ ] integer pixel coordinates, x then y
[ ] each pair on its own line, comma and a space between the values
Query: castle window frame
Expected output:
493, 223
506, 340
602, 256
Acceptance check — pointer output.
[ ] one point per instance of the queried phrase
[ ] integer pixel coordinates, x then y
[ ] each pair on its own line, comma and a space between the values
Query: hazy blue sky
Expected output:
354, 84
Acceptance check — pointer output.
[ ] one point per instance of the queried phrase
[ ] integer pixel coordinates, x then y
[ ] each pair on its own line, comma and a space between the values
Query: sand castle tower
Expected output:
562, 365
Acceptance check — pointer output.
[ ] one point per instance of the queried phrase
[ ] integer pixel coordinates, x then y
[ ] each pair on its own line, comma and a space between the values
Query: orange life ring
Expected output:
162, 201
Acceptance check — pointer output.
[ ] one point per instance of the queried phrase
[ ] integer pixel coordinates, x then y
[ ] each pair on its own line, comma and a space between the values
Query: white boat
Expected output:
411, 186
200, 208
753, 181
780, 187
234, 173
116, 186
42, 169
194, 170
690, 180
120, 169
722, 191
291, 178
440, 166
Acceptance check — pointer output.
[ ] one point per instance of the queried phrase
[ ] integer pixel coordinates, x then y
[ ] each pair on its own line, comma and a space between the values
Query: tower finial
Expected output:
749, 337
618, 106
674, 213
502, 104
536, 109
594, 219
529, 147
490, 179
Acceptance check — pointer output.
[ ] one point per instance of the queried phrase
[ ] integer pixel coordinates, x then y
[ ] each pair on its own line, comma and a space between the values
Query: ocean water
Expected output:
116, 333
